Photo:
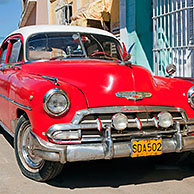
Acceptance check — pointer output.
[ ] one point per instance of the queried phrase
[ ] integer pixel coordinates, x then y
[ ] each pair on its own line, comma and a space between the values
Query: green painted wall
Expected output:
144, 27
139, 30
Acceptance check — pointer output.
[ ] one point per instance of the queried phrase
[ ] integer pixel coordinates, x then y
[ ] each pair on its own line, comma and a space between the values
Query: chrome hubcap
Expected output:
28, 159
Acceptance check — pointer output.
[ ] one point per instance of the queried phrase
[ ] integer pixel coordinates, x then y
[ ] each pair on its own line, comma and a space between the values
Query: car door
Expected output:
11, 52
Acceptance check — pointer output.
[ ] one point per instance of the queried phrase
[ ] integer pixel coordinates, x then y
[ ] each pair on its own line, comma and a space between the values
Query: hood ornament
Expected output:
133, 95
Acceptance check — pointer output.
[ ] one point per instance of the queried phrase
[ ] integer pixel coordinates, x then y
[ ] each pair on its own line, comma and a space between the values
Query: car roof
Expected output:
29, 30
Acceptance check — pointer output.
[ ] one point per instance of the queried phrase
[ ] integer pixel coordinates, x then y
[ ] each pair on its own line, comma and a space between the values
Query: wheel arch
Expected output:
20, 113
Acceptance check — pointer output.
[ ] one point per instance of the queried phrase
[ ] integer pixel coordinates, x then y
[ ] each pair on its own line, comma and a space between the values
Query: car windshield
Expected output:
52, 46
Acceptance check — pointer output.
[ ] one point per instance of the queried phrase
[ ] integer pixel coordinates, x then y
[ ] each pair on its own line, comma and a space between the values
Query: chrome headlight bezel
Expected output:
49, 95
190, 96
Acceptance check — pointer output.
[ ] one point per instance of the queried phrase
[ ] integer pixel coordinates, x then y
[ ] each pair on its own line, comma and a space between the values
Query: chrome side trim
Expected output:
16, 103
6, 129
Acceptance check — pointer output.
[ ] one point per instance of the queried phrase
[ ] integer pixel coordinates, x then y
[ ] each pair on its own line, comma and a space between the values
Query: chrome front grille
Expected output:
146, 117
87, 123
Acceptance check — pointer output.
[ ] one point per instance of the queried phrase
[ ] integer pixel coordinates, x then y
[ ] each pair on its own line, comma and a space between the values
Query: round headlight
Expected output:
119, 121
56, 102
191, 97
165, 119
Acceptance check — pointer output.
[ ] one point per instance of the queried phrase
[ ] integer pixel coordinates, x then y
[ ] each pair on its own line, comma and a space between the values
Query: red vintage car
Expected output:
69, 94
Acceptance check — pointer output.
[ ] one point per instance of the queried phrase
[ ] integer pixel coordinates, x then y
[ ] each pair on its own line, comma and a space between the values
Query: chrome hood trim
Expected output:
133, 95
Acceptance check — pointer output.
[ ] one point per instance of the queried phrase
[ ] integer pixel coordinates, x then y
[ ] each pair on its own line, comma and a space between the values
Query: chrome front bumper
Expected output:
105, 146
105, 150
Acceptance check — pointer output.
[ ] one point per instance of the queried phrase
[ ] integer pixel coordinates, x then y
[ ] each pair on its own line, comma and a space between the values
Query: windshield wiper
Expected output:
60, 57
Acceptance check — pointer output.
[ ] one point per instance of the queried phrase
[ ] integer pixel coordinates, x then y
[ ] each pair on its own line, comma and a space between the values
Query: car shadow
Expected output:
8, 137
124, 171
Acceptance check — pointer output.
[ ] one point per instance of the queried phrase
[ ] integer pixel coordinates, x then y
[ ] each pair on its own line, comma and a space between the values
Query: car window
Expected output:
101, 47
4, 52
16, 51
51, 45
72, 45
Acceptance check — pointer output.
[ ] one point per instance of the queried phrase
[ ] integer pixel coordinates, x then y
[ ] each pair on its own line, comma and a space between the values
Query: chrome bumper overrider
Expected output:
105, 150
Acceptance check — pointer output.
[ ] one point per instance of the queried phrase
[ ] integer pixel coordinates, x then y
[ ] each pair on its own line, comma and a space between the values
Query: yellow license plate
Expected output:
149, 147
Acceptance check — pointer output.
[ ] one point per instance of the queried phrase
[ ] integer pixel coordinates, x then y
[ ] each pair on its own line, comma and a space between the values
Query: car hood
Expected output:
100, 80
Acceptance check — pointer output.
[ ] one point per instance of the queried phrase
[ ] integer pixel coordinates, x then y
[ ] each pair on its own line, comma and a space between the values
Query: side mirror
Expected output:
170, 69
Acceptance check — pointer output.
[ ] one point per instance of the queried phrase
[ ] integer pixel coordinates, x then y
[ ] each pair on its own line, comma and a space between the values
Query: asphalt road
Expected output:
119, 176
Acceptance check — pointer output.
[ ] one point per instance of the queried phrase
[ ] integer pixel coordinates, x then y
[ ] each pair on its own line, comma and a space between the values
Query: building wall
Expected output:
173, 36
76, 5
32, 18
42, 16
84, 2
22, 3
115, 17
56, 10
144, 27
34, 12
53, 5
139, 31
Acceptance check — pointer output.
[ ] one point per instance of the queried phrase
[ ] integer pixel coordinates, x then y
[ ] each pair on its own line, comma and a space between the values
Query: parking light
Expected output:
165, 119
119, 121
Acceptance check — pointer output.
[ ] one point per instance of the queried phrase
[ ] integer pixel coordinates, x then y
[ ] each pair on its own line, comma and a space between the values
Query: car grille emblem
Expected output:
133, 95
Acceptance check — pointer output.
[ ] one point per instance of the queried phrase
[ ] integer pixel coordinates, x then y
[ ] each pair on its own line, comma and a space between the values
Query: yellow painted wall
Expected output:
53, 4
74, 9
52, 11
115, 15
85, 2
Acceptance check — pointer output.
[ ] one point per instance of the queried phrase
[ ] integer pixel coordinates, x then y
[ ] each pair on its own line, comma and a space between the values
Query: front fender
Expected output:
30, 90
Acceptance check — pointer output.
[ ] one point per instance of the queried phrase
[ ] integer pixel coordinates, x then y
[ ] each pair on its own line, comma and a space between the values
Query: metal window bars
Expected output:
173, 37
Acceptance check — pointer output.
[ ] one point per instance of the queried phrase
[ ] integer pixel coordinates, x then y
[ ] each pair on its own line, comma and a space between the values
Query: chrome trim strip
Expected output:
127, 136
6, 129
54, 80
16, 103
129, 120
116, 109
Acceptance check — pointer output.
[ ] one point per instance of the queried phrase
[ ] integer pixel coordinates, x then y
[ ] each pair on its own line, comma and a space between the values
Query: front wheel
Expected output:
32, 166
